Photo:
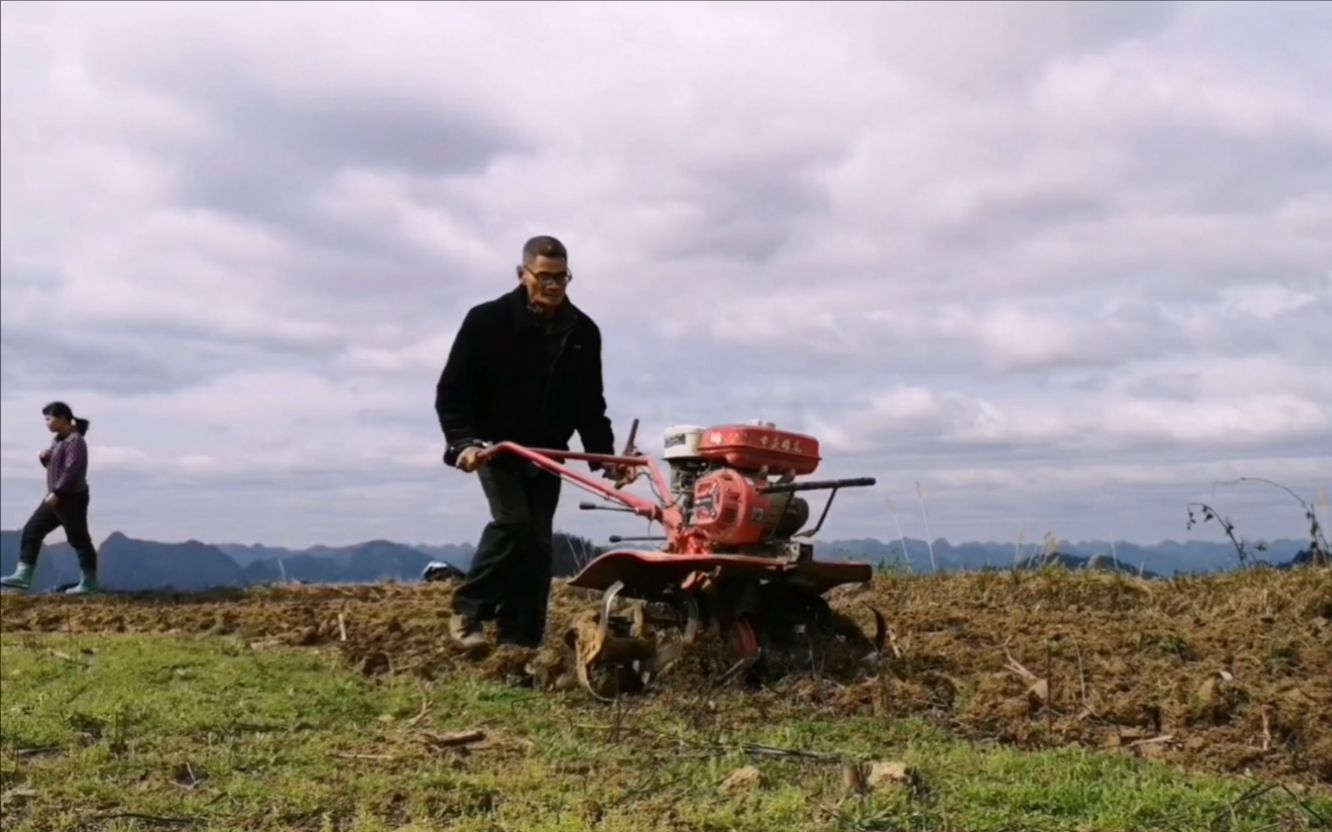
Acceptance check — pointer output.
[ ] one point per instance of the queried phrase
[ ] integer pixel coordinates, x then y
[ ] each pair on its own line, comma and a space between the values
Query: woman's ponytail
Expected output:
63, 411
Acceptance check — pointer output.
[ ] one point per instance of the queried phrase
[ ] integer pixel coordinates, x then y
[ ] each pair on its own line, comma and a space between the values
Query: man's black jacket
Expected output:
511, 376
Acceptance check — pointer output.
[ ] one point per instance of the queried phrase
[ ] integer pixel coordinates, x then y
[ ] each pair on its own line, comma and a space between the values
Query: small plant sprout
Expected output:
929, 542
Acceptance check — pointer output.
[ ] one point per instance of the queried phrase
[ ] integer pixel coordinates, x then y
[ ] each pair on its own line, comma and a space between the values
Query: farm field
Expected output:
1026, 701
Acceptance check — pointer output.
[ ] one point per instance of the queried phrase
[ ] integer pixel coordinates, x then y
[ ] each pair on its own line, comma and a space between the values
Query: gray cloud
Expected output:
266, 157
751, 206
1064, 266
278, 160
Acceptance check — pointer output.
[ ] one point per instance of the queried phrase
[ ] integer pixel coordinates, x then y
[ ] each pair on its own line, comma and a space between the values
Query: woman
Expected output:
65, 504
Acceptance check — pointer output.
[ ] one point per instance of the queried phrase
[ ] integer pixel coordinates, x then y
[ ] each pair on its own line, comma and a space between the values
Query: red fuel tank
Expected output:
750, 447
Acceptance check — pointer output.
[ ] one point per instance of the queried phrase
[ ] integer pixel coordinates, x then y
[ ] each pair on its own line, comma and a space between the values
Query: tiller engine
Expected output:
734, 561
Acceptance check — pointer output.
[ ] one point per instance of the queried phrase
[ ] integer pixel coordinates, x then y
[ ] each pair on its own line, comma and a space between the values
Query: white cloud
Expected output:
1221, 423
1034, 243
1016, 338
1265, 301
1137, 84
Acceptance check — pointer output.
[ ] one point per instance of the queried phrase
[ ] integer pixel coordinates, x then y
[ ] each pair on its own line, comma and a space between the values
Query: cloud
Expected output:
1078, 254
1018, 338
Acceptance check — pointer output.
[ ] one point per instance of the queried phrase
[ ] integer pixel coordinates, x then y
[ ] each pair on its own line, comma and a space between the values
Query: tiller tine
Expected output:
882, 636
693, 628
628, 658
603, 623
741, 640
880, 629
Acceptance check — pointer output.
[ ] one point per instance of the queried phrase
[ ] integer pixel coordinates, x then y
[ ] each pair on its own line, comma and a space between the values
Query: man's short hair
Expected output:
543, 246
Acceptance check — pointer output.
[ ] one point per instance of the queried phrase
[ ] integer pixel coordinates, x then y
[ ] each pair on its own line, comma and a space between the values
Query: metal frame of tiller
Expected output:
678, 551
684, 571
550, 460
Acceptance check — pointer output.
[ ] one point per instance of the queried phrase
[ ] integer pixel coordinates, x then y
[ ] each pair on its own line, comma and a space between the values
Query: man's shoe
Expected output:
519, 641
466, 633
516, 633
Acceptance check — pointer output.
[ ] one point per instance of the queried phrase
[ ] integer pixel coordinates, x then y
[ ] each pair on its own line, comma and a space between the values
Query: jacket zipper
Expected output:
550, 375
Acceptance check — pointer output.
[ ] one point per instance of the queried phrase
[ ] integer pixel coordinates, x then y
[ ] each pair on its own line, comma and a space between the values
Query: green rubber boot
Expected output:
86, 586
21, 579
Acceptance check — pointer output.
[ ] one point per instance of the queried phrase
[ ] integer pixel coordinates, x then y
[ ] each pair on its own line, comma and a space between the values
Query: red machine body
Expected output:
730, 511
730, 500
734, 559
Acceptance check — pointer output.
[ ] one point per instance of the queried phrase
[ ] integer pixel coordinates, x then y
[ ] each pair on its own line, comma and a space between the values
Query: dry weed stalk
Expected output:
929, 542
892, 512
1319, 552
1015, 667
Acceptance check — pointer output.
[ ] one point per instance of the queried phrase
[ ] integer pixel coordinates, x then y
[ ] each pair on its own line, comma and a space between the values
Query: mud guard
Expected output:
648, 574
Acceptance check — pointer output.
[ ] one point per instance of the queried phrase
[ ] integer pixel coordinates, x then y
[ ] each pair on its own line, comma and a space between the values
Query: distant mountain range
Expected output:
1160, 559
129, 564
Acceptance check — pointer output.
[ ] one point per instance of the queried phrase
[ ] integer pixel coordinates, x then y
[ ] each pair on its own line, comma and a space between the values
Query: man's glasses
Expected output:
557, 279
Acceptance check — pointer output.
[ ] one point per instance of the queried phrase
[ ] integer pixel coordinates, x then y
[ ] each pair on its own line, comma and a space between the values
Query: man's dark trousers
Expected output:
510, 576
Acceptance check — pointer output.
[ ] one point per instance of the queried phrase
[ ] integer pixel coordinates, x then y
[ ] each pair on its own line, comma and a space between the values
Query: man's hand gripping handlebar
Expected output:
621, 473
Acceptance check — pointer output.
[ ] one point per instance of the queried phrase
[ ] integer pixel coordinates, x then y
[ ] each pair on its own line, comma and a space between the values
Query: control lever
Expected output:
629, 449
635, 471
586, 506
814, 485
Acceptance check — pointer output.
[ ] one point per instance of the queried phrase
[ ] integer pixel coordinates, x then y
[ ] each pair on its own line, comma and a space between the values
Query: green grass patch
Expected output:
133, 732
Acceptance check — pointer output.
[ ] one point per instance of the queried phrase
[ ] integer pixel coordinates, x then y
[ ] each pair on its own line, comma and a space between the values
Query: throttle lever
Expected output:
586, 506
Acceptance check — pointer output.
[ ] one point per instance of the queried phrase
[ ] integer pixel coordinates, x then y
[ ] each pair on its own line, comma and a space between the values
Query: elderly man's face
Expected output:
546, 279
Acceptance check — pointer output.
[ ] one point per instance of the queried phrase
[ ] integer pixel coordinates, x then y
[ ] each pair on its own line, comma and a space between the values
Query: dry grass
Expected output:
1225, 674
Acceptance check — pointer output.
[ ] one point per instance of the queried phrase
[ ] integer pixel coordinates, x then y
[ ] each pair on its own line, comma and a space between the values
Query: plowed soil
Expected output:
1226, 674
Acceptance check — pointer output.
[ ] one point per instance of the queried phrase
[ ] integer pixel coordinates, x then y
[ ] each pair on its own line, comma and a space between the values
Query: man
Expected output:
524, 367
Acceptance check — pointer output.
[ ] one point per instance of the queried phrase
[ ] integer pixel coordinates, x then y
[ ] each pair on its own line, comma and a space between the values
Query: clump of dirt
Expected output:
1229, 673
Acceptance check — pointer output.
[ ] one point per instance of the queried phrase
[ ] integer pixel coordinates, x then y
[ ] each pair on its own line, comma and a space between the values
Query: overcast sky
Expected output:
1063, 265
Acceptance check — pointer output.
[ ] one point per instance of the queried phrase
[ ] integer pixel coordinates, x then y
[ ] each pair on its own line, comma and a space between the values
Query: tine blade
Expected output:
880, 629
